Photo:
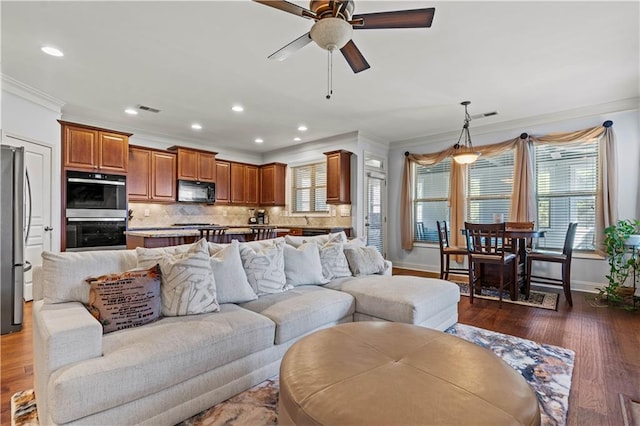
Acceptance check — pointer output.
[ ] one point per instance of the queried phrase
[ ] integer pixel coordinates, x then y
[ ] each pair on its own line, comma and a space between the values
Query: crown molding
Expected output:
629, 104
15, 87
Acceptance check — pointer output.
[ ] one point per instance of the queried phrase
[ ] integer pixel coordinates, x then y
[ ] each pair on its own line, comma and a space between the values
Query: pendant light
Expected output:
465, 154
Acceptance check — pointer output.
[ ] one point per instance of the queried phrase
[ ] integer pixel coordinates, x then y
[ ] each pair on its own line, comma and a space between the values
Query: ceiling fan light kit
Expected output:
465, 154
331, 33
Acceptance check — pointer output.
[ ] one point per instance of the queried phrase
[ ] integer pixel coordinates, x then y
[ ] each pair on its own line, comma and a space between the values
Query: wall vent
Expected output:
148, 108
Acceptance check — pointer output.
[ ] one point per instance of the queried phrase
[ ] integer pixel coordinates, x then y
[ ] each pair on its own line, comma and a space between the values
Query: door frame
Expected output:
381, 173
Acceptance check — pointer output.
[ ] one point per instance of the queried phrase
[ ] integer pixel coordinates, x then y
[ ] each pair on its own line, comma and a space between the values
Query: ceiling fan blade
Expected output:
416, 18
294, 46
354, 57
288, 7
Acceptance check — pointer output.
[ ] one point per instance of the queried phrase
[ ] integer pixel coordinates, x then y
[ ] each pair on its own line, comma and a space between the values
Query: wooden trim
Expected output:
177, 147
99, 129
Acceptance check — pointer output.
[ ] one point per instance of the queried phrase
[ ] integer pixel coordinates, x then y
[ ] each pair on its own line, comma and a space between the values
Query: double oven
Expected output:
96, 211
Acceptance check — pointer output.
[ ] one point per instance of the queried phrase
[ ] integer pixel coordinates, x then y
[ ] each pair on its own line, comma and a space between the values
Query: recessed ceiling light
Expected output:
297, 139
131, 111
302, 128
49, 50
196, 126
237, 108
258, 140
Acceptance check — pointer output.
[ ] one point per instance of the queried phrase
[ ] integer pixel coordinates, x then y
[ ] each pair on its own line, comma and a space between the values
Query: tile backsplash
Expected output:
162, 215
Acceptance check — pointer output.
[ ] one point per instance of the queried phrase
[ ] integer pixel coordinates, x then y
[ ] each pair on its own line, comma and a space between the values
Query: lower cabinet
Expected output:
152, 175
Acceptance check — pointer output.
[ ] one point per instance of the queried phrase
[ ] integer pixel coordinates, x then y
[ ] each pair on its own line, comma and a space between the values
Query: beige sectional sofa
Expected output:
168, 370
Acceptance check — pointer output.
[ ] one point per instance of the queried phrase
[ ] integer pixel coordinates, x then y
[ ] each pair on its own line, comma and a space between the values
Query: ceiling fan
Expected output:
335, 23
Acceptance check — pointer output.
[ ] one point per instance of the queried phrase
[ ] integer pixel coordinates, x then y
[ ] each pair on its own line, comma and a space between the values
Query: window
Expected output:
490, 185
309, 190
566, 182
431, 199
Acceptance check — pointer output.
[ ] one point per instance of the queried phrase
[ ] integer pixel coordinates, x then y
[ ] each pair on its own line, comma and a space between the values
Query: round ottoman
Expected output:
385, 373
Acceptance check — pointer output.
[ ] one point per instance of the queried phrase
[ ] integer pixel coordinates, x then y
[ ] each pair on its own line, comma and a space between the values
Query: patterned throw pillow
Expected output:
125, 300
365, 260
188, 286
334, 263
296, 241
231, 281
264, 265
302, 265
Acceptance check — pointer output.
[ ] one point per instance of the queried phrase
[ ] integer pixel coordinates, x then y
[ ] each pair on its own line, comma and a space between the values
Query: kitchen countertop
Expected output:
190, 231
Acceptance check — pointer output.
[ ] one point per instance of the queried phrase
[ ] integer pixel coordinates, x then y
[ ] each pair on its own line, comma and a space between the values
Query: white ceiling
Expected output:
194, 60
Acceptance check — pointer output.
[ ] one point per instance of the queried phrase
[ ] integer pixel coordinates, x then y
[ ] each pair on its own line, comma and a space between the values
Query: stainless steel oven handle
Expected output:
96, 219
96, 181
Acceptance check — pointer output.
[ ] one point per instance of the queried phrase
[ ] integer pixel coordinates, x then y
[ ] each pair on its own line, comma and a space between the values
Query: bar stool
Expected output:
214, 235
263, 233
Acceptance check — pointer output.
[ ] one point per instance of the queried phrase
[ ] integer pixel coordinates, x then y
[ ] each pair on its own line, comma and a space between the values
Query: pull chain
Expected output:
329, 73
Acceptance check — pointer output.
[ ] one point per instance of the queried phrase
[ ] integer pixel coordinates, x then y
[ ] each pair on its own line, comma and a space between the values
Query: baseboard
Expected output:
576, 285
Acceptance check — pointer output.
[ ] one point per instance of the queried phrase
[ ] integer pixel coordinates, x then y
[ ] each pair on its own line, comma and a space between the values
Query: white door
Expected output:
37, 203
376, 218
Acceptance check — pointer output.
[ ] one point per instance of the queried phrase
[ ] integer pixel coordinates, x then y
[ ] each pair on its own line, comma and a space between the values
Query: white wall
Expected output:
587, 272
32, 116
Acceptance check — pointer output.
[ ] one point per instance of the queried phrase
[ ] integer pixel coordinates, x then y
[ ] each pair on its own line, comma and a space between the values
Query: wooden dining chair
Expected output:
263, 233
485, 243
512, 243
214, 235
447, 250
564, 258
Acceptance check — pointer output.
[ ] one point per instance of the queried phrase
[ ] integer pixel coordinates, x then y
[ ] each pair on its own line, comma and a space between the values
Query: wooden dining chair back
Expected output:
447, 250
512, 243
485, 244
214, 235
263, 233
563, 258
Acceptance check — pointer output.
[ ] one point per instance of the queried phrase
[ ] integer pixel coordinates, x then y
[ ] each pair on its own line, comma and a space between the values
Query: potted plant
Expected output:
618, 239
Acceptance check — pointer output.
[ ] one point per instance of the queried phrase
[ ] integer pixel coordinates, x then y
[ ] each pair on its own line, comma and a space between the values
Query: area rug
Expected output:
537, 298
546, 368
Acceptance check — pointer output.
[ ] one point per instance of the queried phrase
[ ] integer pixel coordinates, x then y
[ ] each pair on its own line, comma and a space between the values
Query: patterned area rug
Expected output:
537, 298
546, 368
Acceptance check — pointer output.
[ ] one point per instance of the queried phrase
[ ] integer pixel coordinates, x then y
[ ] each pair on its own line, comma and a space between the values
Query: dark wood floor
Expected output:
606, 342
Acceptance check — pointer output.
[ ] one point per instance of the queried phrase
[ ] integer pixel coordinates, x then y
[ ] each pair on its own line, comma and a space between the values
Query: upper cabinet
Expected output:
272, 184
94, 149
338, 177
154, 176
223, 182
244, 184
195, 164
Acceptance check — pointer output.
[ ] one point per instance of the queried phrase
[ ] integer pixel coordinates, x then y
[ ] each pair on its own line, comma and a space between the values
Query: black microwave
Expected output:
196, 192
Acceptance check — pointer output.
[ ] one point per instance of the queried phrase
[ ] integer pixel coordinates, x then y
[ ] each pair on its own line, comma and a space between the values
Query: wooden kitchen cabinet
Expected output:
195, 164
93, 149
154, 176
223, 182
272, 184
338, 177
244, 184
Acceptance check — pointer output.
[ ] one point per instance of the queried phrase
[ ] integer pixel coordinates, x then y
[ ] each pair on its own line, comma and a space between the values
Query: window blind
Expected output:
309, 191
566, 184
489, 188
431, 199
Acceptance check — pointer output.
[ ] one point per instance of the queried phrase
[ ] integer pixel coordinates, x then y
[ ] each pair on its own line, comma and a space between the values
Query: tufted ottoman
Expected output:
383, 373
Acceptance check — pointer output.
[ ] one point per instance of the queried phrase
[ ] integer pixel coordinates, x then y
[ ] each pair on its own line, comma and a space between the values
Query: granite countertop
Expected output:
190, 231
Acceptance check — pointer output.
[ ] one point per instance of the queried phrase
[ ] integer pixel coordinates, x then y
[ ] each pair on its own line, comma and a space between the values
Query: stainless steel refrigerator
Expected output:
12, 237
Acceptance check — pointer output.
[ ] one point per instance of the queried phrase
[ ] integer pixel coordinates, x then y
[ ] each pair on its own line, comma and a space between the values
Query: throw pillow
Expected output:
125, 300
365, 260
302, 265
188, 286
334, 263
232, 285
264, 265
296, 241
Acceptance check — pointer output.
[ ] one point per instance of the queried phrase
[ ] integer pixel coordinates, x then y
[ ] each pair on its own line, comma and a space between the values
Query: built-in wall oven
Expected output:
96, 211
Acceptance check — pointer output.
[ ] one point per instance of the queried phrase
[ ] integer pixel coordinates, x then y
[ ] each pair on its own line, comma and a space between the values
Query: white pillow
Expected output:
302, 265
365, 260
320, 239
231, 281
333, 261
264, 265
188, 286
356, 242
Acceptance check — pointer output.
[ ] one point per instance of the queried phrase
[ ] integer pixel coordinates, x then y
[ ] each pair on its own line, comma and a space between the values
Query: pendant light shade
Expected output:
465, 154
